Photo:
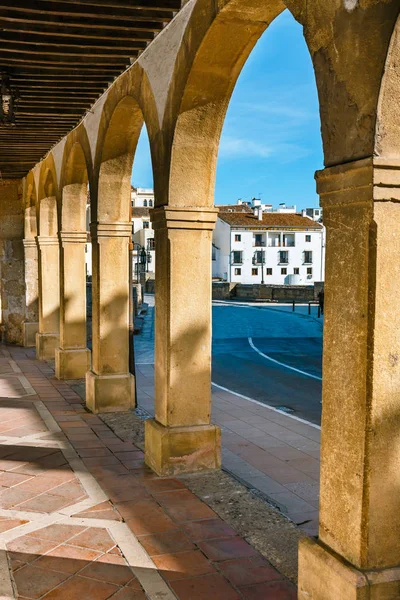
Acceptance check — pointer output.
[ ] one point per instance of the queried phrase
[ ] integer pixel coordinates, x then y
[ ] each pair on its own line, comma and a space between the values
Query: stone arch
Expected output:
30, 223
387, 138
47, 221
129, 105
76, 176
47, 339
216, 65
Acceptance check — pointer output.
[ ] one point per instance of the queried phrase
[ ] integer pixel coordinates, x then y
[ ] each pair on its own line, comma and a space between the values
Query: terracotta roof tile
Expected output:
237, 219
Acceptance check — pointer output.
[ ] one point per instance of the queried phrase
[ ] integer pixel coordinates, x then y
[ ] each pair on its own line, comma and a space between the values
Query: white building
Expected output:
142, 201
267, 247
142, 197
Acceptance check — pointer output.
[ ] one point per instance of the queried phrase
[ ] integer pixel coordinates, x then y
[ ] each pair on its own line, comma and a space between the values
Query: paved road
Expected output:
253, 348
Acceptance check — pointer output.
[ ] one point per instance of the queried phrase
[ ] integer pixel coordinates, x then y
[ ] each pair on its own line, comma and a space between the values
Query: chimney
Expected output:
260, 213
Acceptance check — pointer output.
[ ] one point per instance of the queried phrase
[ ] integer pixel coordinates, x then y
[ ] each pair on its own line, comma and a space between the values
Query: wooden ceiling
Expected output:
62, 55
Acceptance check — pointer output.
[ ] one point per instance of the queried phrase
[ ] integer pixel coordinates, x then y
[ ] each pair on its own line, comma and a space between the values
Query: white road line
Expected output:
281, 412
277, 362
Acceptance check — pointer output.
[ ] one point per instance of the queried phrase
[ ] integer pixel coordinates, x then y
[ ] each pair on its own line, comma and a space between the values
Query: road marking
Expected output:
224, 389
289, 416
277, 362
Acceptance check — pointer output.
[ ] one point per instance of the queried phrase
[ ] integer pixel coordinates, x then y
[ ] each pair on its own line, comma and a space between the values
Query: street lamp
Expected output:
262, 266
8, 98
143, 259
259, 259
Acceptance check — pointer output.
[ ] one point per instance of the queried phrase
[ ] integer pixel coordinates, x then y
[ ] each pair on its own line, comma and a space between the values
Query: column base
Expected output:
46, 344
72, 364
30, 331
174, 450
323, 575
110, 393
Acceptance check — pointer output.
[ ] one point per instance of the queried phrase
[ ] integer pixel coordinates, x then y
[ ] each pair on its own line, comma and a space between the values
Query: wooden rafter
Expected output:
62, 55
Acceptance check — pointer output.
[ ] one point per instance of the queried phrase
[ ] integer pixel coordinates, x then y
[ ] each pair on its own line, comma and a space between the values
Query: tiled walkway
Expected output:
270, 451
267, 450
82, 517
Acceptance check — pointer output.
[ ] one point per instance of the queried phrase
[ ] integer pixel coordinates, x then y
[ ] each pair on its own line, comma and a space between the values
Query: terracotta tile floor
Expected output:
82, 517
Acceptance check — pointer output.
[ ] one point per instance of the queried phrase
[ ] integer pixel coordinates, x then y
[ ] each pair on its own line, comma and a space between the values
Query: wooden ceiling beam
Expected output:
64, 58
62, 55
170, 5
94, 23
66, 31
72, 42
81, 10
7, 60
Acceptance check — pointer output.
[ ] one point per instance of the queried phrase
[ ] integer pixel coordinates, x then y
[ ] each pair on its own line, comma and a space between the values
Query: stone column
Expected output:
181, 438
31, 324
72, 357
48, 337
357, 555
109, 386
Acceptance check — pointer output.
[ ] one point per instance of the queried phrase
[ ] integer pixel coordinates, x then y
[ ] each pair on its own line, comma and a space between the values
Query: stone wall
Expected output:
280, 293
274, 293
12, 261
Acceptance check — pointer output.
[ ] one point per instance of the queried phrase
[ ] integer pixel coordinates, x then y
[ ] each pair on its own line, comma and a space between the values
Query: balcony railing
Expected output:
288, 244
259, 244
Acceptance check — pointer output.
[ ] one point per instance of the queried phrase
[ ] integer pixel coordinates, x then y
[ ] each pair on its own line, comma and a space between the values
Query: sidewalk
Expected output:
81, 516
274, 453
267, 450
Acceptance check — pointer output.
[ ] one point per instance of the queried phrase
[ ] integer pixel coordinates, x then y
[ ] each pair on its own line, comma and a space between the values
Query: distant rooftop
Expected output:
269, 219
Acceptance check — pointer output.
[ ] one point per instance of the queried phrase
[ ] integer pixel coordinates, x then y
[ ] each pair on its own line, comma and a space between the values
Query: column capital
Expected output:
73, 237
374, 179
110, 230
43, 240
29, 243
173, 217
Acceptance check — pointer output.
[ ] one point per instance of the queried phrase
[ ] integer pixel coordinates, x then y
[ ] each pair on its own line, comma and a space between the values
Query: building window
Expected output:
237, 257
146, 224
308, 238
284, 271
296, 271
309, 272
258, 239
150, 244
150, 202
283, 257
308, 257
269, 271
254, 271
238, 271
144, 202
238, 238
258, 258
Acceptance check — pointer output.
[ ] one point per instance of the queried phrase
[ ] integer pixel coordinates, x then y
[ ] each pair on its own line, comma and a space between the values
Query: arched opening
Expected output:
268, 244
73, 356
47, 339
31, 321
111, 232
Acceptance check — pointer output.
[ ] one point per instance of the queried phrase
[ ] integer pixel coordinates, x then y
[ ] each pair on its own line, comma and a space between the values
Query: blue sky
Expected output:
271, 142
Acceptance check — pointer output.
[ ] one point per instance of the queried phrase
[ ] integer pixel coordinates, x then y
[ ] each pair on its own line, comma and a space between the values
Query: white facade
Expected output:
143, 234
142, 200
290, 254
142, 197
